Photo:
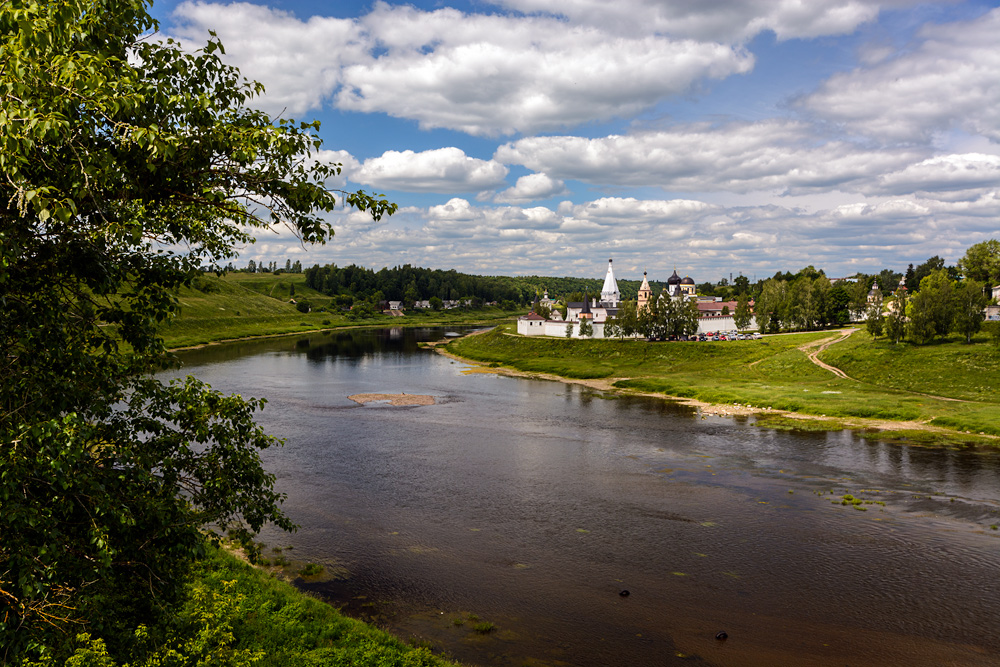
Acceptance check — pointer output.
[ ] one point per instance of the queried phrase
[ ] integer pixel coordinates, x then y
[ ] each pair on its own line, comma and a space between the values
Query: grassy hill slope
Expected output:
918, 384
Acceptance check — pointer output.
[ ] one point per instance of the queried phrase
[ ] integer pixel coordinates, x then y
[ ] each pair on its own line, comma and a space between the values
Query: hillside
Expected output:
238, 305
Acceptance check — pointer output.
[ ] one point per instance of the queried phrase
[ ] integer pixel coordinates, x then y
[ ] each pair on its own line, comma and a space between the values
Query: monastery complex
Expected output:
596, 312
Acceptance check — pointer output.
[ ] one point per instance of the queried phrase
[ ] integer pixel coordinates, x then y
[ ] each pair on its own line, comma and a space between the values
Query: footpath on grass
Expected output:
936, 395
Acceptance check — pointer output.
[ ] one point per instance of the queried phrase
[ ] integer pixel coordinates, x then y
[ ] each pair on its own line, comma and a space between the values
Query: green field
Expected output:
901, 383
239, 305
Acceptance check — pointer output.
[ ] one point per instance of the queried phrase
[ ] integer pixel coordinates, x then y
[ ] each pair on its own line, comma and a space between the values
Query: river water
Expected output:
533, 505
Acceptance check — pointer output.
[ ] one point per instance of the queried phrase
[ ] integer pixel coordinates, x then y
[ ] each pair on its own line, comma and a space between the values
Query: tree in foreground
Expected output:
116, 153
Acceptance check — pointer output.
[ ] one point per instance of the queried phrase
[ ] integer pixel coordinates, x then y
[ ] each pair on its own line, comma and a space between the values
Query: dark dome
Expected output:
674, 279
688, 280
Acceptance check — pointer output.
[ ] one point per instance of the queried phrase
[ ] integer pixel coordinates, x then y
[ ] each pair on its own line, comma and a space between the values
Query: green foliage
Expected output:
303, 306
895, 317
743, 315
969, 303
664, 317
233, 616
982, 263
932, 309
117, 148
311, 570
362, 310
992, 329
625, 324
586, 329
857, 296
875, 320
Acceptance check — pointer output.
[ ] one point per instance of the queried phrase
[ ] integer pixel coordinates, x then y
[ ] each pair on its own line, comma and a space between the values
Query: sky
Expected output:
714, 138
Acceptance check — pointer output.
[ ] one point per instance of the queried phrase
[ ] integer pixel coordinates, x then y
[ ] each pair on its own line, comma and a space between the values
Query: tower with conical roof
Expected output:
585, 312
645, 293
610, 296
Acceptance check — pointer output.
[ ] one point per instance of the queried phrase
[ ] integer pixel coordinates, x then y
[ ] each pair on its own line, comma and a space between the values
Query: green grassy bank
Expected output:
234, 615
905, 383
239, 305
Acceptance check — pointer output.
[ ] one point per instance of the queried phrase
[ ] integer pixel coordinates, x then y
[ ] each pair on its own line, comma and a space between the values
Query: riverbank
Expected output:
935, 395
235, 613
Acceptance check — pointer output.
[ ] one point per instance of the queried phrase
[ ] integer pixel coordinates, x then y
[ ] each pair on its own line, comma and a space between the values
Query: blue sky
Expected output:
718, 137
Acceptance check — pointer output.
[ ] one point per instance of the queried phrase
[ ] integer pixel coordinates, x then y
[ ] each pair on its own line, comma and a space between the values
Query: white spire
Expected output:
610, 293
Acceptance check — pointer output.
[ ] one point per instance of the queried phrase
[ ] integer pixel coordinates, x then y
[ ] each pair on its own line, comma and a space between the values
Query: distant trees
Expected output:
410, 284
875, 320
970, 301
982, 263
895, 318
940, 305
931, 310
664, 317
857, 296
625, 324
742, 317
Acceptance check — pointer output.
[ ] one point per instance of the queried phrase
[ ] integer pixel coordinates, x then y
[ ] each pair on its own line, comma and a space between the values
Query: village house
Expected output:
993, 310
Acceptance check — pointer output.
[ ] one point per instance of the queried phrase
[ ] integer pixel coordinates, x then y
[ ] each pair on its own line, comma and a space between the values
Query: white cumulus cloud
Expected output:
476, 73
949, 81
730, 20
738, 157
299, 62
447, 170
531, 188
965, 174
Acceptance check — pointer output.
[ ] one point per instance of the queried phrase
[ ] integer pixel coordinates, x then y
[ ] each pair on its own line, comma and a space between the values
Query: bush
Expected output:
303, 306
992, 329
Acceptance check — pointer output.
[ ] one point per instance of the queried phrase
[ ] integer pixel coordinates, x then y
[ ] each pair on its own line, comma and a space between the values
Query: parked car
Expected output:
757, 336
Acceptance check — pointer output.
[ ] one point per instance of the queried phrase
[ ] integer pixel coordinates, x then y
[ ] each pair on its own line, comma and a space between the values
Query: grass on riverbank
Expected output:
239, 305
772, 373
234, 614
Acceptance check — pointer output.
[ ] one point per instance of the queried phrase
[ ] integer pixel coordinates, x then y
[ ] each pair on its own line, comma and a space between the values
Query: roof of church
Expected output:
532, 316
610, 284
688, 280
674, 279
645, 283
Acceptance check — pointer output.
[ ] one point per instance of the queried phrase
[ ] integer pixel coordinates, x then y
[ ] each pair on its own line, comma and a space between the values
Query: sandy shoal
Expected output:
394, 399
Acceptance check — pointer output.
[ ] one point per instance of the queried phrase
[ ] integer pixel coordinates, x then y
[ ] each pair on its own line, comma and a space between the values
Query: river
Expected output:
529, 508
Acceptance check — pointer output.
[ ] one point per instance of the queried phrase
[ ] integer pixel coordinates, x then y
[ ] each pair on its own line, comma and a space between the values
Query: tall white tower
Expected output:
609, 293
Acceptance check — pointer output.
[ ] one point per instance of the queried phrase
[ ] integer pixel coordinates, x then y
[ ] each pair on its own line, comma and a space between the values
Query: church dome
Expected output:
688, 280
674, 279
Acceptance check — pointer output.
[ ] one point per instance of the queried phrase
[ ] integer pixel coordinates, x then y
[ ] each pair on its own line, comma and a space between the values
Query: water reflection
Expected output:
532, 504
